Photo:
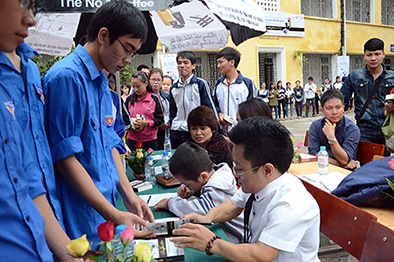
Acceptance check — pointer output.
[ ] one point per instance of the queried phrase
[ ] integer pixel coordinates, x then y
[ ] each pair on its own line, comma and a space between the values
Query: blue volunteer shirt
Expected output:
79, 121
24, 90
22, 229
347, 133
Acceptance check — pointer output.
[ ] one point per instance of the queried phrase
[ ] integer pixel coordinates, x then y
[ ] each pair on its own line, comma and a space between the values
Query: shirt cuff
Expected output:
67, 147
151, 123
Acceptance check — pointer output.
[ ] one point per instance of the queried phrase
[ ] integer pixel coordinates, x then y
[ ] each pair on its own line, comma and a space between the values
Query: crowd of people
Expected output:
62, 138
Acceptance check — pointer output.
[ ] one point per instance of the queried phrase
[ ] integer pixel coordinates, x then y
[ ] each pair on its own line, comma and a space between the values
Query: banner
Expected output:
243, 12
169, 65
284, 24
343, 66
90, 6
53, 34
189, 26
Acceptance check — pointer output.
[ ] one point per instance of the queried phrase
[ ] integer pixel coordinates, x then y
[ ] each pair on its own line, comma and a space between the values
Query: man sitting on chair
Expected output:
335, 131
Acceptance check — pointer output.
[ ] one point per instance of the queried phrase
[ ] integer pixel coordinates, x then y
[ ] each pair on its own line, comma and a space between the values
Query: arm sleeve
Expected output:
65, 118
173, 107
126, 116
350, 145
347, 90
302, 95
252, 88
200, 205
159, 116
215, 99
205, 95
313, 143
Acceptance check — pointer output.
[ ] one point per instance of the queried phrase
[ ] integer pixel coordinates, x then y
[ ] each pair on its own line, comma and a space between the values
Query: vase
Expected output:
139, 176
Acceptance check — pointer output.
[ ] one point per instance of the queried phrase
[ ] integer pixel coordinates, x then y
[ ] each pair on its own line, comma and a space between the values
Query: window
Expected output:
269, 5
387, 12
318, 67
356, 62
358, 10
206, 67
267, 69
319, 8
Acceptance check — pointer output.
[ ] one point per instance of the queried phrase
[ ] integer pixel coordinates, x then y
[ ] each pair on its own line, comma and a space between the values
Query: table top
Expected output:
190, 254
385, 216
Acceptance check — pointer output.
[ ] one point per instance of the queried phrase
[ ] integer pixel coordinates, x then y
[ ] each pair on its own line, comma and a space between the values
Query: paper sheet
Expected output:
153, 199
306, 156
327, 183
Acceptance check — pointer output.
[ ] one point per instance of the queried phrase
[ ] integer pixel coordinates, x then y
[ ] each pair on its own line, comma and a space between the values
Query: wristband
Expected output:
167, 203
209, 245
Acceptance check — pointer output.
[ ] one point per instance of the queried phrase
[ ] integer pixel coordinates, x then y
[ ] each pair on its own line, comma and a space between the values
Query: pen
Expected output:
149, 199
309, 179
203, 223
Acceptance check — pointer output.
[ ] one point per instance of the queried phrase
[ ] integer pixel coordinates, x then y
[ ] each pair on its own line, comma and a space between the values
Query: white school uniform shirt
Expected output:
284, 216
310, 91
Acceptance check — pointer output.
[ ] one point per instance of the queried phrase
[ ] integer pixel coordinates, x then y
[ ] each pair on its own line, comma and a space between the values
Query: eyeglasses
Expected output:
128, 52
247, 171
155, 80
29, 5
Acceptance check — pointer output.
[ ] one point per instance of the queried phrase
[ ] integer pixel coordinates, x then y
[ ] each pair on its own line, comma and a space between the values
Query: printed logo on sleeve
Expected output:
41, 92
109, 119
10, 107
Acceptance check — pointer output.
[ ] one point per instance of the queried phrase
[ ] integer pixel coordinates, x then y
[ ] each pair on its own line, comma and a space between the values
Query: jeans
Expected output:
308, 102
276, 111
298, 106
374, 136
282, 104
290, 105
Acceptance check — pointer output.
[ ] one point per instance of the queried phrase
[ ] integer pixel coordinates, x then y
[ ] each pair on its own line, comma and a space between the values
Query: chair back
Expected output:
367, 150
344, 223
379, 244
306, 140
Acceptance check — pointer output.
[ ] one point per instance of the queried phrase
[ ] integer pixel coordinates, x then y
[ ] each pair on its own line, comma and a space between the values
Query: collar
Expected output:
237, 80
271, 187
384, 70
87, 60
23, 50
147, 97
191, 80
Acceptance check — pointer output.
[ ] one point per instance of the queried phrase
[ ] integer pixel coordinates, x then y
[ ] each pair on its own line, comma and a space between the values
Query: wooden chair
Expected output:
344, 223
367, 150
379, 244
306, 140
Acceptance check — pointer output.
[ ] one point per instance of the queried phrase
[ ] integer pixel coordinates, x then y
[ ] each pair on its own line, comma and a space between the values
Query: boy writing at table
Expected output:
281, 217
212, 186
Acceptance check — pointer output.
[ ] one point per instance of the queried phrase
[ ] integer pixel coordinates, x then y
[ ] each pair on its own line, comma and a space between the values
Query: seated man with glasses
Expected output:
80, 125
336, 132
281, 218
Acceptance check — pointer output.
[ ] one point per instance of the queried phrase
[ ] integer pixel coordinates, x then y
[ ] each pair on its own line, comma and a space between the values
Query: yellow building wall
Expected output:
321, 36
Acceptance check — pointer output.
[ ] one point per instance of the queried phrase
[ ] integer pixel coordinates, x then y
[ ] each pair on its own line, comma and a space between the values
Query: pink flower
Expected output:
139, 144
150, 151
391, 163
300, 144
127, 234
88, 260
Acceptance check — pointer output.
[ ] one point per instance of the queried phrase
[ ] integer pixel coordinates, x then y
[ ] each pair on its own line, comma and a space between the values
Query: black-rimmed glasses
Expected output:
29, 5
128, 52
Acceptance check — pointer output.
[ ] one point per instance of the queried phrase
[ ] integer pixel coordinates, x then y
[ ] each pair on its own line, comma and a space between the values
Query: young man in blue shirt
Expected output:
335, 131
80, 126
27, 224
232, 88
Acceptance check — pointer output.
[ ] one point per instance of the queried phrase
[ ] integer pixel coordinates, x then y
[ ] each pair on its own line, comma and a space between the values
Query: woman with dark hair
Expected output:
281, 100
253, 107
273, 99
156, 81
145, 111
203, 127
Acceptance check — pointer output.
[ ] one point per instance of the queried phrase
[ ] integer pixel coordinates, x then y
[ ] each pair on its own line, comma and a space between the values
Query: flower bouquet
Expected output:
136, 160
81, 248
296, 157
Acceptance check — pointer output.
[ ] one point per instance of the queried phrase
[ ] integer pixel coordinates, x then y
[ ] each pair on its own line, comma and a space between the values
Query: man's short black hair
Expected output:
330, 94
189, 161
120, 18
374, 44
140, 67
310, 78
230, 54
264, 141
188, 55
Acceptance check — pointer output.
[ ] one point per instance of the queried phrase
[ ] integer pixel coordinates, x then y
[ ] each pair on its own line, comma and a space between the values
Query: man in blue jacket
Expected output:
232, 88
186, 94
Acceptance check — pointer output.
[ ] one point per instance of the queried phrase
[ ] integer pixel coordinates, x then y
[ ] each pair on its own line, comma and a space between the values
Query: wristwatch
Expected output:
332, 141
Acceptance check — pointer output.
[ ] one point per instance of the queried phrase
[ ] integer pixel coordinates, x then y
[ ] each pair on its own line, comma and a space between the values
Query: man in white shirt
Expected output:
281, 218
310, 91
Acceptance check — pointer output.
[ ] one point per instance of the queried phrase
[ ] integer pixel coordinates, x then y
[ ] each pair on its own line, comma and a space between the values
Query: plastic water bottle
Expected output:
167, 146
164, 165
322, 161
150, 171
118, 245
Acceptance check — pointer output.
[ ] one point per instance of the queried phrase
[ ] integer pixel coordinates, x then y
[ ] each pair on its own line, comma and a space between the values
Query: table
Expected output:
385, 216
191, 255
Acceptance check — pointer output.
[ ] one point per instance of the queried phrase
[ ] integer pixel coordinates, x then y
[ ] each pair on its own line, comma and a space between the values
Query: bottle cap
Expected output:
167, 138
322, 148
120, 229
148, 158
165, 153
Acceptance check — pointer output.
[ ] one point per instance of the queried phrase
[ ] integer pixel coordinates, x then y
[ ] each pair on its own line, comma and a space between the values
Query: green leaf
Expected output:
387, 194
391, 184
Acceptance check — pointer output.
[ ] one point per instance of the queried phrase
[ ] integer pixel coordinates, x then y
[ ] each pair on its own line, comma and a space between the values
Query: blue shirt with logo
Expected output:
79, 121
24, 90
22, 229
